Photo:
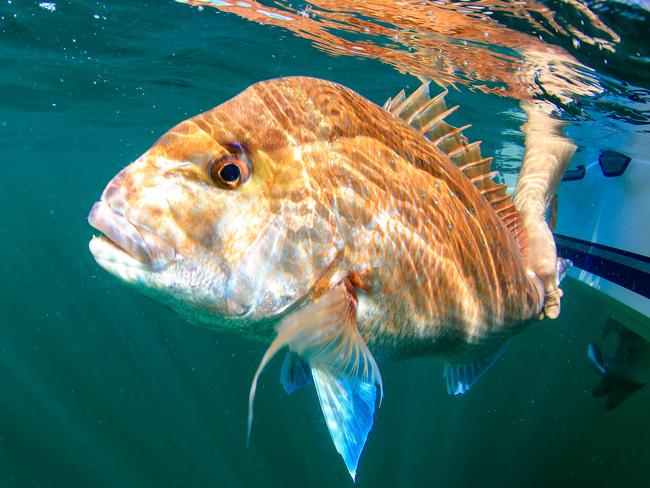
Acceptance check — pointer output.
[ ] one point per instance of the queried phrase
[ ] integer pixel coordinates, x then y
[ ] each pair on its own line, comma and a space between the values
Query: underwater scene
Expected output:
330, 243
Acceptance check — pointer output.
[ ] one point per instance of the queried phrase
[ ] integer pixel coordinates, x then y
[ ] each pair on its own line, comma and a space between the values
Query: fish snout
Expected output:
114, 192
124, 235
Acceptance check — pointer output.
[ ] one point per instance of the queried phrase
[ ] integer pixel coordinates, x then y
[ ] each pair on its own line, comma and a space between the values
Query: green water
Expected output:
101, 387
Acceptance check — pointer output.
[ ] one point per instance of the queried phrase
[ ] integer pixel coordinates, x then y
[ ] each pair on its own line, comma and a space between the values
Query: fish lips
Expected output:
125, 242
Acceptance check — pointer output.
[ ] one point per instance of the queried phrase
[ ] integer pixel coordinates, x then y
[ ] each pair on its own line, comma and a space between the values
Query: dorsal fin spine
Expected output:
476, 164
477, 167
483, 180
437, 119
440, 96
491, 191
396, 101
415, 101
427, 115
502, 198
464, 150
421, 111
454, 132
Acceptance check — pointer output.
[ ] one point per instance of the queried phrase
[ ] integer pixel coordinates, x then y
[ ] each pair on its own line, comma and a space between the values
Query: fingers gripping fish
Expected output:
301, 214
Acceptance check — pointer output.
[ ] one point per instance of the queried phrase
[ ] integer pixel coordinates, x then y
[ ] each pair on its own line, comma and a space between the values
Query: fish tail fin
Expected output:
547, 155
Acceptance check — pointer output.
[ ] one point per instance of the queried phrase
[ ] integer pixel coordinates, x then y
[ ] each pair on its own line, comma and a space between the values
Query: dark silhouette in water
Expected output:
624, 373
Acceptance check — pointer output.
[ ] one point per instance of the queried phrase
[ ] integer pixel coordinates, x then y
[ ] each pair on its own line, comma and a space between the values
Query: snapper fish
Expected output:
301, 214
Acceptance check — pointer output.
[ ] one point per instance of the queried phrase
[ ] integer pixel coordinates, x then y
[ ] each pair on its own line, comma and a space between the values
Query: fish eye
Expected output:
229, 172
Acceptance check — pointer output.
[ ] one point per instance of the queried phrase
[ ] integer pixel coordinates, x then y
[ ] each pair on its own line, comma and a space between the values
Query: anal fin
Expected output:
461, 377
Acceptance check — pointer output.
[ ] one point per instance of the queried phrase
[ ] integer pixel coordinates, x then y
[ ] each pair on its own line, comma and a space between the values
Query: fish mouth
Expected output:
124, 244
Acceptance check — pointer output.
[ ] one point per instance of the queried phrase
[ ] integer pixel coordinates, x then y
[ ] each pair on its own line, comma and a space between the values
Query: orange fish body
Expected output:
302, 211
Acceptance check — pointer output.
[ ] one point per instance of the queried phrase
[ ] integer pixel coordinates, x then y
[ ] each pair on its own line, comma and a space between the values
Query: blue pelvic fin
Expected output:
324, 336
596, 359
348, 405
295, 373
461, 377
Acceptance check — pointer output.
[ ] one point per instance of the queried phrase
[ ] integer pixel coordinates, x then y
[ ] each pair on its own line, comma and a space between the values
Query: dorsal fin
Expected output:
428, 115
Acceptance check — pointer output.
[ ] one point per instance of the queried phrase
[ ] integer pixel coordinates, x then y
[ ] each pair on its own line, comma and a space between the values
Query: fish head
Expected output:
220, 219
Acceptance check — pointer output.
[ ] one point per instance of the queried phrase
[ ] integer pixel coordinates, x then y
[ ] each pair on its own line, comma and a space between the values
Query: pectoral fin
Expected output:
324, 335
